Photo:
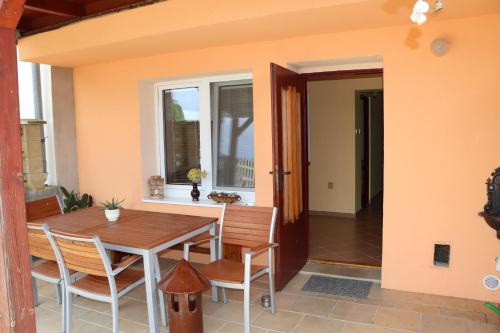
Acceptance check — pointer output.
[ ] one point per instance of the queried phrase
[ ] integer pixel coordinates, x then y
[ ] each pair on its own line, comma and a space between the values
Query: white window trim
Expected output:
203, 85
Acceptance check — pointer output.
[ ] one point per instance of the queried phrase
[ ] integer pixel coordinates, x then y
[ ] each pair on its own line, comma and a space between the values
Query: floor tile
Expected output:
473, 316
360, 313
483, 328
311, 324
399, 319
238, 328
233, 311
440, 324
281, 321
367, 328
314, 306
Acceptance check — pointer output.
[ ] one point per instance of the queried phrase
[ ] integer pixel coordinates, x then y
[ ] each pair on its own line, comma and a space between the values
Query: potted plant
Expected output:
195, 175
112, 209
73, 201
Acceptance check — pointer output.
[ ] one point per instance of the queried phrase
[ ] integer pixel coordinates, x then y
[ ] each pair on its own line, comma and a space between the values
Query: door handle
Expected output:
278, 177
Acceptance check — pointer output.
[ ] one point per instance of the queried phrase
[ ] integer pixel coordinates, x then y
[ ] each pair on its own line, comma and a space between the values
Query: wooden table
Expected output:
137, 232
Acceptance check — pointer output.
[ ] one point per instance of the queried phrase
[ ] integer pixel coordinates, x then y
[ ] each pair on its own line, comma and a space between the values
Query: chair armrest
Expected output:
256, 250
122, 265
198, 241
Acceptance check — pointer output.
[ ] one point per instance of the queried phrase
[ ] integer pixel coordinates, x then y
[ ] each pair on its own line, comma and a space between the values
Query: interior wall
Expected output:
332, 114
440, 129
376, 144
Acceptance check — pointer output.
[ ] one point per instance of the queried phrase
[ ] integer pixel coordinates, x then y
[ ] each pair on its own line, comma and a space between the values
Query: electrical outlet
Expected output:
330, 185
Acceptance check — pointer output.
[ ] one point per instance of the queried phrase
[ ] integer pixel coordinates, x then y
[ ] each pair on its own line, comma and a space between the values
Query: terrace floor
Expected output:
384, 311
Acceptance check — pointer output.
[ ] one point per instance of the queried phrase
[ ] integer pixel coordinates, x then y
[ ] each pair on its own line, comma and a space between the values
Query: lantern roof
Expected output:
183, 279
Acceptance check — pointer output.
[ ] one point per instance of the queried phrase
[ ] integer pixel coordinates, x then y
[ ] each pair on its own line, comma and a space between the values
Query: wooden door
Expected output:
290, 172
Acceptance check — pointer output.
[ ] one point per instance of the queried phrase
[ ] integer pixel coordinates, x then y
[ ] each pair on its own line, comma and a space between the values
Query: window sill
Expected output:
188, 202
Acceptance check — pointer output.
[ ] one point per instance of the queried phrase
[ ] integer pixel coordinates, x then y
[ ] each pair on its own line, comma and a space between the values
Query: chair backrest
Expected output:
42, 208
84, 254
39, 244
247, 226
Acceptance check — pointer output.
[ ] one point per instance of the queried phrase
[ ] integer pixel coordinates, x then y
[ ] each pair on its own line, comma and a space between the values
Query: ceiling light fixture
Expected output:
421, 7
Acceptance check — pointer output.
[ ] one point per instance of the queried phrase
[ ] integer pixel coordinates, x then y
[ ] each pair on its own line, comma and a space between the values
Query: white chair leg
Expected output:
116, 315
63, 309
246, 307
272, 292
185, 254
161, 298
224, 295
68, 313
213, 257
35, 291
59, 292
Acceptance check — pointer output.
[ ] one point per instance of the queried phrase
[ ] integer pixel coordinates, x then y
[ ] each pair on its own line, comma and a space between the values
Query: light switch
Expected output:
330, 185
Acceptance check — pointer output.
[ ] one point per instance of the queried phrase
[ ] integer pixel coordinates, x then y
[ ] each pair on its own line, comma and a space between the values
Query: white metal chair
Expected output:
40, 246
48, 271
249, 227
102, 282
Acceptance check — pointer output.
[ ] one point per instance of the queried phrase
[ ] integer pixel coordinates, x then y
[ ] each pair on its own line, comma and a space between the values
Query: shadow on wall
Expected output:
412, 38
393, 6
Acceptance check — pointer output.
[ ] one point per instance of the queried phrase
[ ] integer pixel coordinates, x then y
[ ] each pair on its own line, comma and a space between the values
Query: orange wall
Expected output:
441, 118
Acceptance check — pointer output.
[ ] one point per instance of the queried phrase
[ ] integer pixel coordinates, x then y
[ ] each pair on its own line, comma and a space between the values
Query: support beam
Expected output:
16, 297
56, 7
10, 12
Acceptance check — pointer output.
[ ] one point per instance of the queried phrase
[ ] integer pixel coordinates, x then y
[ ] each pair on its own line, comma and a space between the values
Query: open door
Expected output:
290, 172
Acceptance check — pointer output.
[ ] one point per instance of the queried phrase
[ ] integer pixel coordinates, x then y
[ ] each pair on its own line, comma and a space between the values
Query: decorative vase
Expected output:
195, 193
112, 214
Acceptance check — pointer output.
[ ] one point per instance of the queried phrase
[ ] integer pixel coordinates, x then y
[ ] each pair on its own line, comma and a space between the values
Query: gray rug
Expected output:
337, 286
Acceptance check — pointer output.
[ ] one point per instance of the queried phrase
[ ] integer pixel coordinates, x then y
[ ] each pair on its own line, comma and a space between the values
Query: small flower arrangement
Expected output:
195, 175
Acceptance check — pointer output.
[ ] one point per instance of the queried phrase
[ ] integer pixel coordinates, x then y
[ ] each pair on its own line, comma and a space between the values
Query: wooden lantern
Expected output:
183, 287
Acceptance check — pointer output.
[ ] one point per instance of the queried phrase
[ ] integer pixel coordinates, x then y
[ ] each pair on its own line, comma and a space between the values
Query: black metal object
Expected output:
491, 211
442, 255
492, 207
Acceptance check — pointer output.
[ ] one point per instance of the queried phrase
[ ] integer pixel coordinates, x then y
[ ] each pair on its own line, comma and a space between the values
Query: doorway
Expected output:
346, 175
300, 224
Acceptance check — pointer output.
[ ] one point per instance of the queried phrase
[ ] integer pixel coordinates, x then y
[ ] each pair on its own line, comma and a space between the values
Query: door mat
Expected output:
337, 286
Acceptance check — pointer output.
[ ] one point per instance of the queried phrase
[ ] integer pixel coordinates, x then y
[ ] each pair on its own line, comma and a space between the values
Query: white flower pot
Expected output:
112, 214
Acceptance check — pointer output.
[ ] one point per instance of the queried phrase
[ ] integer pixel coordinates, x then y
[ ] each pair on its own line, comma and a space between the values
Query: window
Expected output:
181, 133
207, 123
232, 133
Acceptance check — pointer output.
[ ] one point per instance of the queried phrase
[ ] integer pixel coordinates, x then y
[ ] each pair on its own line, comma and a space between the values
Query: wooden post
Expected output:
16, 297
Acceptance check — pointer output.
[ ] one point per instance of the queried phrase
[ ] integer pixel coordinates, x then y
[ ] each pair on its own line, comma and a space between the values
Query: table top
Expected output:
135, 228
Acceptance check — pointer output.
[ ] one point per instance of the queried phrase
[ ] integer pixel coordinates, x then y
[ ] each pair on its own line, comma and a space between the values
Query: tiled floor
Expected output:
384, 311
347, 240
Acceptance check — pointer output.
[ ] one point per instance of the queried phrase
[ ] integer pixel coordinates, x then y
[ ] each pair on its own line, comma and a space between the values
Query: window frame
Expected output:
206, 143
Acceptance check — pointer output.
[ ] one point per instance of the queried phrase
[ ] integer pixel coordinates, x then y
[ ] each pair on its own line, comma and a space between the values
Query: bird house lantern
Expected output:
183, 286
491, 211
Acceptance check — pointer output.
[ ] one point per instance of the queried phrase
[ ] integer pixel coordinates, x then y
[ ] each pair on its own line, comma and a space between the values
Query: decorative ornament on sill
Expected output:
421, 8
156, 184
222, 197
491, 212
195, 175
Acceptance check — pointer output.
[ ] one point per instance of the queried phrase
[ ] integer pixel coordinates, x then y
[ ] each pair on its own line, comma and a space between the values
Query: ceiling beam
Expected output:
10, 13
99, 6
56, 7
